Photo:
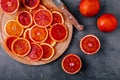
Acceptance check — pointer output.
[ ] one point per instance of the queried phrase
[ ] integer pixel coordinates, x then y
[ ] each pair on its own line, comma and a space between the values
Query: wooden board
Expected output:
59, 47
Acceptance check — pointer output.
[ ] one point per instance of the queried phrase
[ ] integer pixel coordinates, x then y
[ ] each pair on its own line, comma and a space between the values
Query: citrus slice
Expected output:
9, 6
48, 51
9, 40
57, 17
90, 44
71, 64
43, 18
13, 28
24, 19
31, 4
36, 52
27, 34
21, 47
38, 34
59, 32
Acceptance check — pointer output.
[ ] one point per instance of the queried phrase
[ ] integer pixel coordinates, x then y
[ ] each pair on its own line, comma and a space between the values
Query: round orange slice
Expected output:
38, 34
90, 44
58, 32
57, 17
24, 19
43, 18
21, 47
48, 51
9, 40
31, 4
36, 52
13, 28
9, 6
71, 64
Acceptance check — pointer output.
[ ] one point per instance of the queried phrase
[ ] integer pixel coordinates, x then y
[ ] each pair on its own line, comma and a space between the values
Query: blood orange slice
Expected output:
57, 17
59, 32
43, 18
9, 40
24, 19
71, 64
48, 51
38, 34
9, 6
31, 4
13, 28
21, 47
36, 52
90, 44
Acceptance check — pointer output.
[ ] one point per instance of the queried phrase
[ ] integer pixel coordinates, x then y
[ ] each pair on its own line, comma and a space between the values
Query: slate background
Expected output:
105, 65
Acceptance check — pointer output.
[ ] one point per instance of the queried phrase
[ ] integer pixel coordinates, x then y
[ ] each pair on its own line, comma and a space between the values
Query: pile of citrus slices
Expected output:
34, 31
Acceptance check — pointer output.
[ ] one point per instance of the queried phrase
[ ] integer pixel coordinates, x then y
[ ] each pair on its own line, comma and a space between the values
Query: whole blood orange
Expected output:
58, 32
31, 4
71, 64
43, 18
24, 19
48, 51
90, 44
89, 8
107, 23
21, 47
13, 28
57, 17
38, 34
35, 53
9, 6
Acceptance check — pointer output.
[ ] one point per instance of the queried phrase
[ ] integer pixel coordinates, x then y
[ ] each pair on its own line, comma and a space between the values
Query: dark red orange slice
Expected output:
43, 18
71, 64
21, 47
58, 32
90, 44
36, 52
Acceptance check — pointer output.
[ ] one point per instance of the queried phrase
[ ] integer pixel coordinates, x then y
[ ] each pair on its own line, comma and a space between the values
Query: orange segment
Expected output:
43, 18
36, 52
24, 19
21, 47
9, 6
13, 28
59, 32
38, 34
71, 64
48, 51
57, 17
90, 44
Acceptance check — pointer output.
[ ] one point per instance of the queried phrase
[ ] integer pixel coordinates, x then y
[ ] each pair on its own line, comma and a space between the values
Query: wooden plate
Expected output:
59, 47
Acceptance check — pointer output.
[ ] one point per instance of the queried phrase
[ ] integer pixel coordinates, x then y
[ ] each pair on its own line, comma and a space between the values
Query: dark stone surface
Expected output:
104, 65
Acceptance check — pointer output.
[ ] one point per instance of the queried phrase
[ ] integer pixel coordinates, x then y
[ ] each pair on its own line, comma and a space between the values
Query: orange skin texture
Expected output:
107, 23
89, 8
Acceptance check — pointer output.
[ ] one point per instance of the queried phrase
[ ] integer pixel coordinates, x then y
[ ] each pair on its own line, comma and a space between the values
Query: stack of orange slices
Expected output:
35, 31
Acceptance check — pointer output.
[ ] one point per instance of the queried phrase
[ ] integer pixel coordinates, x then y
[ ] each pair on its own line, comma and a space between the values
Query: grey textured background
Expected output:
105, 65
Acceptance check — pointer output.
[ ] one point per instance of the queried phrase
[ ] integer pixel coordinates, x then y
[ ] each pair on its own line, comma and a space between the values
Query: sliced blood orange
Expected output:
9, 6
24, 19
48, 51
57, 17
59, 32
38, 34
13, 28
9, 40
71, 64
36, 52
43, 18
27, 34
31, 4
21, 47
90, 44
